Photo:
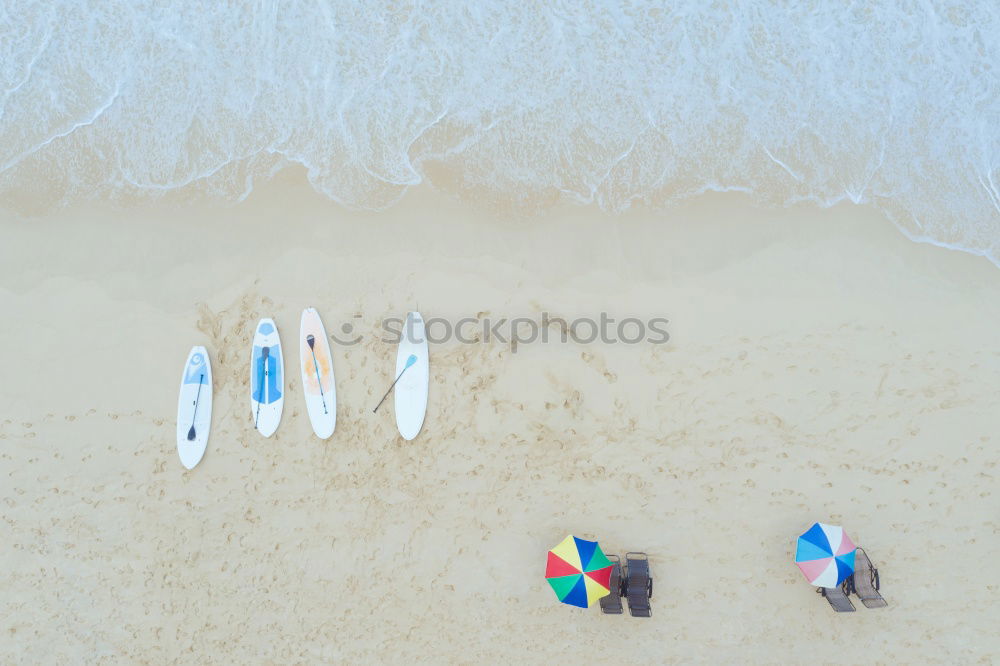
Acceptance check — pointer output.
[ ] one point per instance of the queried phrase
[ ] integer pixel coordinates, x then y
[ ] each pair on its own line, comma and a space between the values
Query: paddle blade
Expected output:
191, 434
311, 341
411, 360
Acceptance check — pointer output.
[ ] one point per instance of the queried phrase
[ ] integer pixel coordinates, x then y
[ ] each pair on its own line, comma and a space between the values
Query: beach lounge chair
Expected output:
612, 603
638, 584
837, 596
865, 583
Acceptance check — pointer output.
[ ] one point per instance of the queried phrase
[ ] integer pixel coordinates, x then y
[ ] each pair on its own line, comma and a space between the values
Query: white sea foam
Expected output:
605, 101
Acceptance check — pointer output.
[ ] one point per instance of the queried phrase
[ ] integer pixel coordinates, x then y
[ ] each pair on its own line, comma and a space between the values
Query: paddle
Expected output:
311, 339
191, 433
410, 361
264, 351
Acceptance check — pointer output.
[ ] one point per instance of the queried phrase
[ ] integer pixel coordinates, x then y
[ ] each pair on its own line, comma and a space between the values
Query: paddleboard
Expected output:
194, 408
411, 389
267, 378
316, 363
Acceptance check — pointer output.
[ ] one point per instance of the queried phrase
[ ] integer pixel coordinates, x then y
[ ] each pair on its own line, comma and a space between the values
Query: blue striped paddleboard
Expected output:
267, 378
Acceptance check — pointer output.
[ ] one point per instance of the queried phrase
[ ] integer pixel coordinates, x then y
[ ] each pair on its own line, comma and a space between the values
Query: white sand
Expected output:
821, 367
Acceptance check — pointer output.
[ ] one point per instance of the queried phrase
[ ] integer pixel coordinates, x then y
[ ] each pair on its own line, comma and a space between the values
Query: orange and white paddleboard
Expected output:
316, 363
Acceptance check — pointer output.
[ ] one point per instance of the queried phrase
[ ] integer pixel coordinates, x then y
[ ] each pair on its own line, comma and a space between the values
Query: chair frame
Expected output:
638, 599
611, 604
865, 581
838, 597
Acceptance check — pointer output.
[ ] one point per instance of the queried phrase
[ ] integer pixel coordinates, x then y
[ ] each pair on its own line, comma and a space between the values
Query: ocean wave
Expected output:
608, 102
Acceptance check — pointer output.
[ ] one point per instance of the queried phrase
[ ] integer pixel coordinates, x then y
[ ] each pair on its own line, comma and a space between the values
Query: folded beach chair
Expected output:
638, 584
612, 603
837, 596
865, 583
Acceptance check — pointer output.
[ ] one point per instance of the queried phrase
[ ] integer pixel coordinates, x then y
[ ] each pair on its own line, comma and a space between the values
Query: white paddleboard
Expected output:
194, 408
411, 389
318, 384
267, 378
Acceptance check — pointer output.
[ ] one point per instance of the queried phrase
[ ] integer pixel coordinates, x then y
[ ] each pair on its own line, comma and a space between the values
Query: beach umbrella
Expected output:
825, 554
578, 572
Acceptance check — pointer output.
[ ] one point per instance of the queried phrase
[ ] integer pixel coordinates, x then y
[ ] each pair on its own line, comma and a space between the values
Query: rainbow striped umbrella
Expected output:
825, 554
578, 572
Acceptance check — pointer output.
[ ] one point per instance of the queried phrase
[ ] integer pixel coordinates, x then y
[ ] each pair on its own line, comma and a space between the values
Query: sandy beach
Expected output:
820, 367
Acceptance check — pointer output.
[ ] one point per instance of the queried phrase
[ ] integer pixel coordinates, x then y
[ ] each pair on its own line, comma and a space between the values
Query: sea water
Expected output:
610, 102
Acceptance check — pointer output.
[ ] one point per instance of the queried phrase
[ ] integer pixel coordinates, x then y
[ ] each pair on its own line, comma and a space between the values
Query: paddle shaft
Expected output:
265, 351
192, 433
390, 387
318, 380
